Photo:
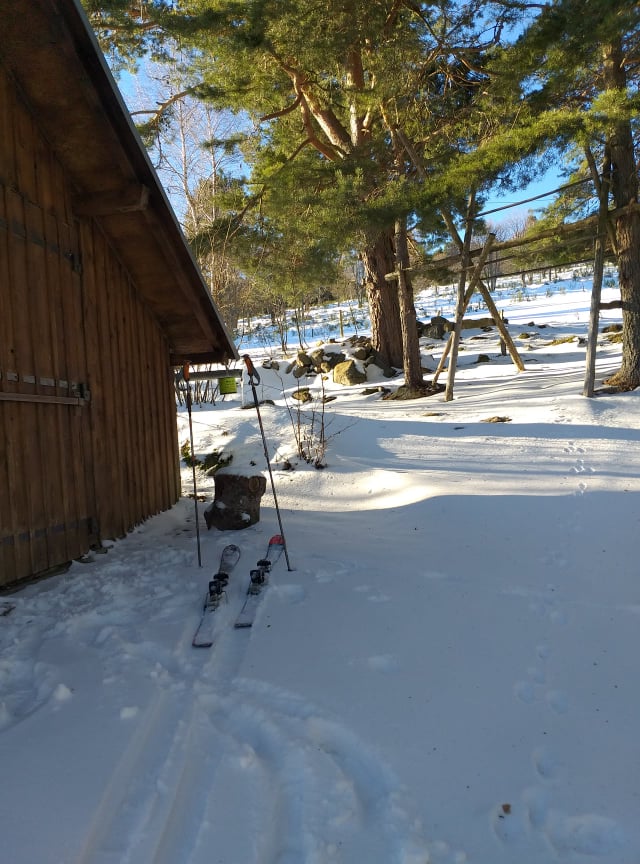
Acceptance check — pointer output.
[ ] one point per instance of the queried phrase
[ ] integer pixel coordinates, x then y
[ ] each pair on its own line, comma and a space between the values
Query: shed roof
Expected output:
49, 48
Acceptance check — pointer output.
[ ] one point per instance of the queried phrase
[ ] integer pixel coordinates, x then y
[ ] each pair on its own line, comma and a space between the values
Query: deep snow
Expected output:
447, 675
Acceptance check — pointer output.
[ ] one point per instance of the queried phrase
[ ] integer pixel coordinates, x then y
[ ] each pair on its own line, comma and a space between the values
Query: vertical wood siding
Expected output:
72, 469
132, 399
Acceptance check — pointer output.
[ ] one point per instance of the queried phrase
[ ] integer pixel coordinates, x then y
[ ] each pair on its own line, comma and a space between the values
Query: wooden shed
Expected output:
100, 298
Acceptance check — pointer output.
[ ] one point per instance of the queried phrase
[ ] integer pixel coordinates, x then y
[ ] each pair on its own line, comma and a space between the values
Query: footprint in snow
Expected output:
383, 663
525, 691
589, 834
571, 448
535, 800
507, 823
327, 571
435, 575
377, 662
546, 767
558, 616
290, 593
543, 651
557, 701
374, 596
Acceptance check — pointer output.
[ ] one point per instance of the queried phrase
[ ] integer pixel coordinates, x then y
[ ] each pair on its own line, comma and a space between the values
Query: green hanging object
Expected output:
228, 386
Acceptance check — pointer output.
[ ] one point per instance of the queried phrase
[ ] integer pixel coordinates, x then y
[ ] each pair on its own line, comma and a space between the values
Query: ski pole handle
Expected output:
185, 375
254, 378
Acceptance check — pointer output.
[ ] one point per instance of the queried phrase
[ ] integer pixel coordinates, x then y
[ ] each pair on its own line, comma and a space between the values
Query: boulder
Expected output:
331, 360
303, 394
348, 373
437, 328
375, 359
485, 324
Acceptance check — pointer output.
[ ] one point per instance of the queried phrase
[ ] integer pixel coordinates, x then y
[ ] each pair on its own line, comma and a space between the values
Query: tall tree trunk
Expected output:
625, 191
411, 344
378, 259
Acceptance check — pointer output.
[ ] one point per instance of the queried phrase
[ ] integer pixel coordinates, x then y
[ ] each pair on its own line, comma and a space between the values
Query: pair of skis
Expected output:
217, 591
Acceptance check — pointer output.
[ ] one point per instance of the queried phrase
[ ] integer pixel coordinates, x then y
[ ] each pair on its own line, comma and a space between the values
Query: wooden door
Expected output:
46, 503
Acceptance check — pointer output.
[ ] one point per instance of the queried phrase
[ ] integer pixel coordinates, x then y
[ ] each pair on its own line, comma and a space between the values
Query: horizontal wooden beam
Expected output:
212, 375
129, 199
47, 400
587, 226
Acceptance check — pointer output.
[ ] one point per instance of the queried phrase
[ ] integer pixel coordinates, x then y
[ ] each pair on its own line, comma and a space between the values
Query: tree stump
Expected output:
236, 503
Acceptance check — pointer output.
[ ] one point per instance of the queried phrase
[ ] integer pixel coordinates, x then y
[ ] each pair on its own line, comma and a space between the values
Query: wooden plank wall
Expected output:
45, 514
71, 469
133, 423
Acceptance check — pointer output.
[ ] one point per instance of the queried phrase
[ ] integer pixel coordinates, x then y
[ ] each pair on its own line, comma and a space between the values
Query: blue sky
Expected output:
550, 181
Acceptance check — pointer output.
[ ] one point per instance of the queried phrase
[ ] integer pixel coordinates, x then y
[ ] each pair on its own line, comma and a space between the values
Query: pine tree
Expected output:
576, 77
357, 106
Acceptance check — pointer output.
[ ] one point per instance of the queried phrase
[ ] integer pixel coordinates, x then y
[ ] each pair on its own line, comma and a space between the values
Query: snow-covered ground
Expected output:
447, 674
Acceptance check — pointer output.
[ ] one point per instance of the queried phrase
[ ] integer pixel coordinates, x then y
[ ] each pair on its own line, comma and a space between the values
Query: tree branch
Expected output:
283, 111
164, 106
331, 153
337, 135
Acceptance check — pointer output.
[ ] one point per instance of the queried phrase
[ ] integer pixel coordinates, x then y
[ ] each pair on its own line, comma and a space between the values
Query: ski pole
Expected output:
185, 373
254, 379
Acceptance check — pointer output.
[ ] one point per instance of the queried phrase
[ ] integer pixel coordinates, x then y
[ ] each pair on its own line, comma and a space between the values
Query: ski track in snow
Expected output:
315, 792
350, 812
294, 747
